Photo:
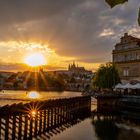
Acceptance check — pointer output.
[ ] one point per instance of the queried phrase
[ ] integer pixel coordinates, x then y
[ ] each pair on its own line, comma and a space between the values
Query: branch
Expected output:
113, 3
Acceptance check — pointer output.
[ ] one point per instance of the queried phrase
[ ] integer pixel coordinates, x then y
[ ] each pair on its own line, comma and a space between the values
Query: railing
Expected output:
27, 121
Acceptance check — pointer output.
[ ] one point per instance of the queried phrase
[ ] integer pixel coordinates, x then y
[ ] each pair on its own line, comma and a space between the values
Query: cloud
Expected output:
14, 67
85, 30
106, 32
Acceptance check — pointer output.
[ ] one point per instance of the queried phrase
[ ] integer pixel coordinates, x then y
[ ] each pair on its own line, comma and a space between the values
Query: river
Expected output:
104, 129
12, 96
96, 127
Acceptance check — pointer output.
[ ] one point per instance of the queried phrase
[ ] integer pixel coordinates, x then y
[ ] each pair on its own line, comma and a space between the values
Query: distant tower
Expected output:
41, 69
74, 64
69, 67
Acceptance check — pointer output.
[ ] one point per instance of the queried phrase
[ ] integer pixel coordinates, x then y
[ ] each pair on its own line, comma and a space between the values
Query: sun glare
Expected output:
33, 95
33, 113
35, 60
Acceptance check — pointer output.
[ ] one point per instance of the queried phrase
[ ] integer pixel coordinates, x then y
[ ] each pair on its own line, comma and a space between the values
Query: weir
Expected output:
30, 120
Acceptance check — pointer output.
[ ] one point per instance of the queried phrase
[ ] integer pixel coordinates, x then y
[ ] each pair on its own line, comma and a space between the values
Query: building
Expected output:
126, 56
76, 78
75, 69
2, 80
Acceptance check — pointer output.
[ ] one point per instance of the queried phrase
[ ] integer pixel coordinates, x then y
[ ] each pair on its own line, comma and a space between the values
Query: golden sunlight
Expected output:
33, 113
35, 60
33, 95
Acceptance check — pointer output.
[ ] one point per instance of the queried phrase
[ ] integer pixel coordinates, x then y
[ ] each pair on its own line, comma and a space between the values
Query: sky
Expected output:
63, 31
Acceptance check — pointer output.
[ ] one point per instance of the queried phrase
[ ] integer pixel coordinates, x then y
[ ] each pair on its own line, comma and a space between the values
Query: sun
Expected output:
33, 95
35, 60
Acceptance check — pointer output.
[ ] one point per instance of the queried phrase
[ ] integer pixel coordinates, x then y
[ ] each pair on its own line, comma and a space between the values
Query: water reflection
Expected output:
11, 96
40, 118
116, 127
33, 95
106, 129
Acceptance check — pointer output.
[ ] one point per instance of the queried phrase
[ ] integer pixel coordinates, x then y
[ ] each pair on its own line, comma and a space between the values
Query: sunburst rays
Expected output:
36, 78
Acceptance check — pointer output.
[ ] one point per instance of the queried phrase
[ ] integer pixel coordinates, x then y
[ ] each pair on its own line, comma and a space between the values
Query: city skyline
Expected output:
84, 31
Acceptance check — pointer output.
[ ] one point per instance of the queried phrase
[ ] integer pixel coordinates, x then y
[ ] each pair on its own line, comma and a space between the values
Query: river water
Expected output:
10, 96
96, 127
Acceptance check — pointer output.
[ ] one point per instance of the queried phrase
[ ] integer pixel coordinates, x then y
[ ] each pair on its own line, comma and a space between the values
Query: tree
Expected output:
106, 77
106, 129
113, 3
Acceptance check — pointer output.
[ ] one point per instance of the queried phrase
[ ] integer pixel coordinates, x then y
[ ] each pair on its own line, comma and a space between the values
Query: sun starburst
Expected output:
35, 60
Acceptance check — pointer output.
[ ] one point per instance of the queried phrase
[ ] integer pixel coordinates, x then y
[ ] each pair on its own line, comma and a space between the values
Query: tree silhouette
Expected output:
106, 77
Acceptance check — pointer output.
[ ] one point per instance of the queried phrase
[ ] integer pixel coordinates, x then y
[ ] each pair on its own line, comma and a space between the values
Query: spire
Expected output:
69, 67
74, 63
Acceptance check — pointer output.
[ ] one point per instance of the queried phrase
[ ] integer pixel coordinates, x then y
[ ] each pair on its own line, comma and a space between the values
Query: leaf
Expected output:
139, 17
113, 3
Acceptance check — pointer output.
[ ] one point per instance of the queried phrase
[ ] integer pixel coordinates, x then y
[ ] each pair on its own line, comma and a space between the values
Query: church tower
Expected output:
69, 67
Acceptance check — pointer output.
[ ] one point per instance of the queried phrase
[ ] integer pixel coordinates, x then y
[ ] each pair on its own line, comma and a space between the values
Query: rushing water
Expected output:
10, 96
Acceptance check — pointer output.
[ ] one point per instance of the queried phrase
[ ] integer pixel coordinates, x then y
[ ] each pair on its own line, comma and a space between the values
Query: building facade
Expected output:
126, 56
76, 78
75, 69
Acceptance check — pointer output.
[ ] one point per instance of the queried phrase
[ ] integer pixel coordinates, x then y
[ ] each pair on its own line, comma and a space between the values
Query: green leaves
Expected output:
113, 3
139, 17
107, 76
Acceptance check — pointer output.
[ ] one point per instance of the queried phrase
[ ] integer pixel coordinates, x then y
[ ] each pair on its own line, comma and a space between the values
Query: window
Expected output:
125, 58
137, 56
125, 72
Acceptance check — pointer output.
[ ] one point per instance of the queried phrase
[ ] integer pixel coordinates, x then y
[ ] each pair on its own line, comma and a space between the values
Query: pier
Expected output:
30, 120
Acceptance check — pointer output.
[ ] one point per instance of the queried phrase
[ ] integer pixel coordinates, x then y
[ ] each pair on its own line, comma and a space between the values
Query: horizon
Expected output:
46, 68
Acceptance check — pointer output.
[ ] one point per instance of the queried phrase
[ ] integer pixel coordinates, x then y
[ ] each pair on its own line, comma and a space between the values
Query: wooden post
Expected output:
13, 127
72, 112
66, 112
6, 127
48, 119
57, 117
31, 128
26, 128
40, 122
20, 127
36, 125
44, 122
61, 113
55, 114
52, 118
0, 127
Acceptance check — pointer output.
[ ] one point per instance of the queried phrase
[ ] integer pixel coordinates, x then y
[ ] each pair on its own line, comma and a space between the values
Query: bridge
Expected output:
30, 120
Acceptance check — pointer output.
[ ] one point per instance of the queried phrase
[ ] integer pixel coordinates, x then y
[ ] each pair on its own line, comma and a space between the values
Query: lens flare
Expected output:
35, 60
33, 113
33, 95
